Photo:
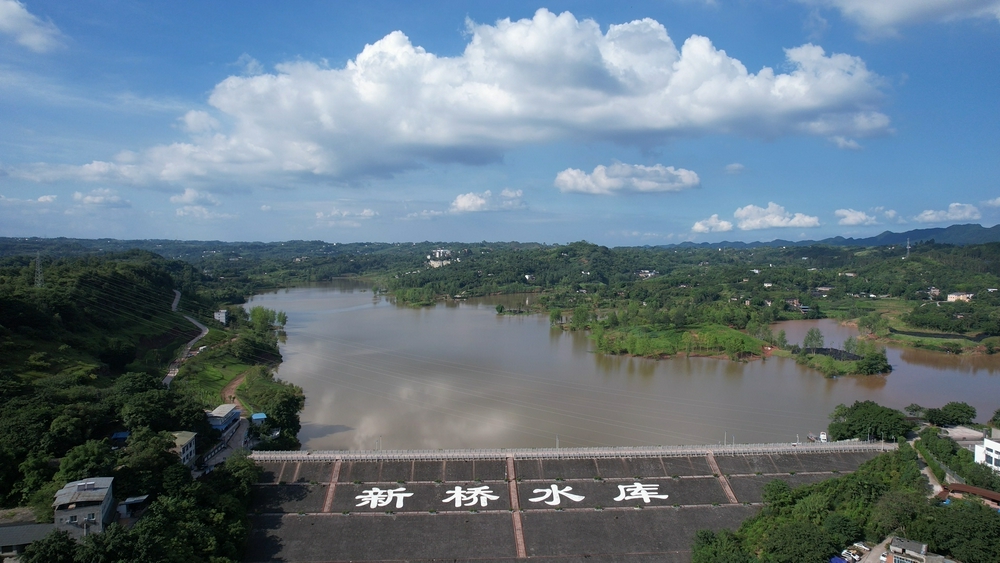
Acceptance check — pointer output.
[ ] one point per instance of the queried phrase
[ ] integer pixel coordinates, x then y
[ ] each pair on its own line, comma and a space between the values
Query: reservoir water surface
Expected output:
457, 375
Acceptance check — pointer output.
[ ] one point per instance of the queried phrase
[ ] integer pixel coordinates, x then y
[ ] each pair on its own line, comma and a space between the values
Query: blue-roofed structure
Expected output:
258, 418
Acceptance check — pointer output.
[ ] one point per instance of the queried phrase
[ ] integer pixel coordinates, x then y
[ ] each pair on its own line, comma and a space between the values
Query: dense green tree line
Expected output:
886, 495
83, 356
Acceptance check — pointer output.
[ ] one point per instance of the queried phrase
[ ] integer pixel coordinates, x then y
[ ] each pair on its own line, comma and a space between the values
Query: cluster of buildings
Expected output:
88, 506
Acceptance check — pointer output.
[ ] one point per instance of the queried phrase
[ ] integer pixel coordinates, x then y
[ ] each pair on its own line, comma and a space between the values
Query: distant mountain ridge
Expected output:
956, 234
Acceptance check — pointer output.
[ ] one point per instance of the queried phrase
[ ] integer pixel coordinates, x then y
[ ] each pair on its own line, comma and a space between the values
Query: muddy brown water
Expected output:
457, 375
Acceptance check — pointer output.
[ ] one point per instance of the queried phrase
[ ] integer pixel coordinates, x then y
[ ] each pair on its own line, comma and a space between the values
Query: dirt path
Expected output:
229, 391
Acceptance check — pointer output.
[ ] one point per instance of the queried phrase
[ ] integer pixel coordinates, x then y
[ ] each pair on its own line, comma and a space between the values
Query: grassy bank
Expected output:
205, 375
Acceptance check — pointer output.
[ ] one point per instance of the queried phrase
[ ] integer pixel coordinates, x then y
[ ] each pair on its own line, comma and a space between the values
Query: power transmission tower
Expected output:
907, 247
39, 280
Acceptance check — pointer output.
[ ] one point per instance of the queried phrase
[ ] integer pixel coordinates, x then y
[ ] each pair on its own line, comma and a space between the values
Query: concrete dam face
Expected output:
639, 504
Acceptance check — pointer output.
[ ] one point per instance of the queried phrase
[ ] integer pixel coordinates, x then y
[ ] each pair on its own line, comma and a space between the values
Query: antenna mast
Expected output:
907, 247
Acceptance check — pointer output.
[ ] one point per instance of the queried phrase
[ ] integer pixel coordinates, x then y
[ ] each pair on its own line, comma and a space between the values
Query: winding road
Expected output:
176, 364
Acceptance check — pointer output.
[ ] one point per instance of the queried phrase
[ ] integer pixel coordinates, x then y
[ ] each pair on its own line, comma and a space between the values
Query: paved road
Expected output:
176, 364
570, 453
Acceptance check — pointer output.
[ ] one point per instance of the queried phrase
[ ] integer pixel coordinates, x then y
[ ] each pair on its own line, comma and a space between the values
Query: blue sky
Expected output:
651, 123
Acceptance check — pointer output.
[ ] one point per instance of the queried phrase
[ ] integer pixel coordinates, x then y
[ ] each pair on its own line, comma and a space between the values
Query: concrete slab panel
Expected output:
393, 471
745, 464
569, 469
644, 467
364, 471
625, 532
528, 468
289, 498
270, 471
788, 463
613, 468
313, 472
460, 471
686, 466
445, 536
490, 470
428, 471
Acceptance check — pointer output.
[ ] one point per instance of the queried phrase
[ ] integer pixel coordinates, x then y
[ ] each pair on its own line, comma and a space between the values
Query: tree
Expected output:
794, 541
813, 339
782, 341
873, 363
867, 419
499, 309
57, 547
555, 316
718, 547
777, 493
995, 421
93, 458
959, 413
951, 414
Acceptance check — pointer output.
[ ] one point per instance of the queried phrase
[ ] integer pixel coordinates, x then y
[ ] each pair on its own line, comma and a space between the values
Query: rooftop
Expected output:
23, 534
222, 411
86, 490
183, 437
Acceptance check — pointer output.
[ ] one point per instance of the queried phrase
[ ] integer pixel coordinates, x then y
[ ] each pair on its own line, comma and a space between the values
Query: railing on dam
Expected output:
570, 453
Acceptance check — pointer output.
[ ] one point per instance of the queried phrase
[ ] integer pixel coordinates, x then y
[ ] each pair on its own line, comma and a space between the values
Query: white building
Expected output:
220, 316
184, 442
960, 297
988, 454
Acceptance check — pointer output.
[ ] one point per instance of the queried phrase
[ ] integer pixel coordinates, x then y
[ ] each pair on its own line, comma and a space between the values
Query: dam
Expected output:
491, 505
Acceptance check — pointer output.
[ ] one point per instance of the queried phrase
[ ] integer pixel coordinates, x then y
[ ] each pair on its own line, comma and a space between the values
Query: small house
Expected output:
258, 418
84, 507
952, 297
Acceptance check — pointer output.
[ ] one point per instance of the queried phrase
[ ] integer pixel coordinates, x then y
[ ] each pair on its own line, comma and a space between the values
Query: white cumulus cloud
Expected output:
995, 202
735, 168
194, 197
196, 121
845, 143
552, 77
712, 225
955, 212
47, 199
486, 201
201, 212
620, 177
101, 197
854, 217
752, 217
26, 28
345, 218
883, 17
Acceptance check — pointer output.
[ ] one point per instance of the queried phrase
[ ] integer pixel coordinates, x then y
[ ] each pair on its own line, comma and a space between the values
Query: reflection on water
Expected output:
460, 376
